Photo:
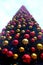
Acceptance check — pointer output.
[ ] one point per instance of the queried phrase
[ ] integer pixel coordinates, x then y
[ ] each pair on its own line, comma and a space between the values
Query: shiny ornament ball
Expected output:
41, 55
26, 58
18, 30
10, 37
34, 56
32, 33
39, 36
25, 41
30, 27
39, 46
17, 35
15, 56
35, 38
21, 49
5, 42
5, 50
40, 33
32, 40
23, 31
27, 36
12, 32
0, 48
19, 26
38, 28
9, 54
15, 42
33, 49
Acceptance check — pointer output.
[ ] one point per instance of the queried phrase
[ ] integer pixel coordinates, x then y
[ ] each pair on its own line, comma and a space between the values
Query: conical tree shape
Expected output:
21, 41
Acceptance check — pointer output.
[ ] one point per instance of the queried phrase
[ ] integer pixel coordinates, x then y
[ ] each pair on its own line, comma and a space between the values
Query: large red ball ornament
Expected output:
41, 55
27, 36
32, 33
26, 58
9, 53
33, 49
5, 50
27, 31
15, 42
39, 37
12, 32
32, 40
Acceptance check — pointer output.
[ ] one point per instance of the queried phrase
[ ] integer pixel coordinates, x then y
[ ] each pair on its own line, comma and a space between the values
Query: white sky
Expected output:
9, 7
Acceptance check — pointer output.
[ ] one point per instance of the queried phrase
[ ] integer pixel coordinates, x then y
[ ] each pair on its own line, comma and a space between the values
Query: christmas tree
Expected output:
21, 41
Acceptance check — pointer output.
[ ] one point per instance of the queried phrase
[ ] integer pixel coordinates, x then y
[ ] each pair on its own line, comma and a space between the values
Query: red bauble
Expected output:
9, 53
32, 33
39, 37
33, 49
41, 55
12, 32
32, 40
16, 36
5, 50
27, 36
15, 42
26, 58
27, 31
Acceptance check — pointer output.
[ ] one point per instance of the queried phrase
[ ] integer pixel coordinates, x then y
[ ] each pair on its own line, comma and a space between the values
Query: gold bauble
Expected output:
5, 42
35, 38
23, 19
21, 49
15, 56
18, 34
7, 32
25, 41
38, 28
12, 26
19, 26
39, 46
34, 56
40, 33
24, 25
30, 27
14, 64
10, 37
23, 31
3, 37
0, 48
18, 30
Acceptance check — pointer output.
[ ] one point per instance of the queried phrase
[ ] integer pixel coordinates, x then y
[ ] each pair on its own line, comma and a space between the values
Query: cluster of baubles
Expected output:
22, 39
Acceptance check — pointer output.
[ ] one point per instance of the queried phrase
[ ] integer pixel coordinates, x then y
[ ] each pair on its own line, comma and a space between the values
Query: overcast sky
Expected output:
8, 8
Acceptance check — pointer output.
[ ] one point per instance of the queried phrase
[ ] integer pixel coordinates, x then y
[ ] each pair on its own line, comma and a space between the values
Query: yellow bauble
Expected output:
38, 28
3, 37
25, 41
0, 48
21, 49
39, 46
12, 26
5, 42
7, 32
23, 31
18, 30
18, 34
30, 27
19, 26
10, 37
15, 56
24, 25
35, 38
40, 33
34, 56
